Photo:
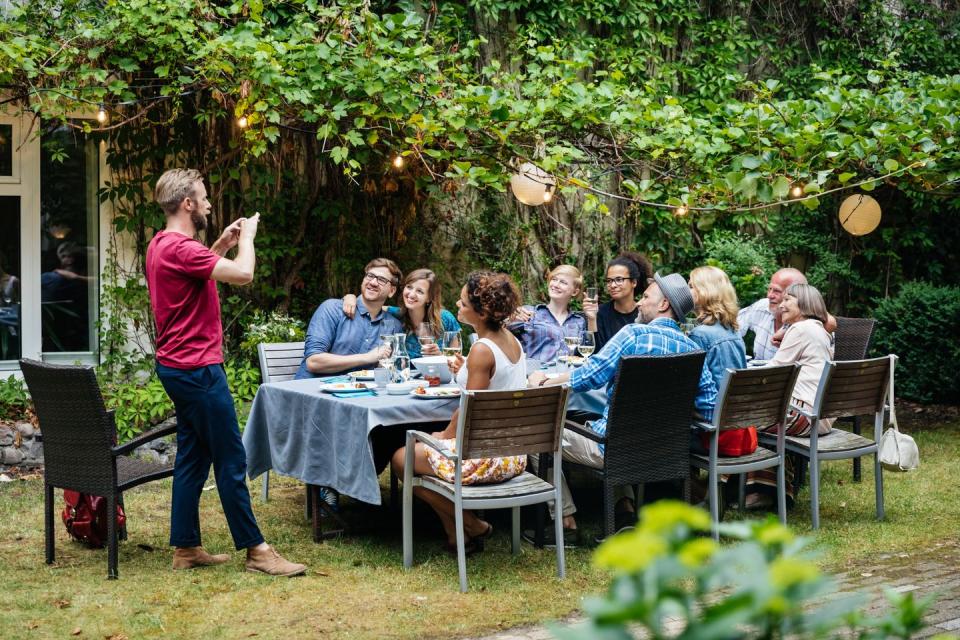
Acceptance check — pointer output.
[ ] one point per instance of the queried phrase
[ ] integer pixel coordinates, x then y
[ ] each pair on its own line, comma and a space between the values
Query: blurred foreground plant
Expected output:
765, 586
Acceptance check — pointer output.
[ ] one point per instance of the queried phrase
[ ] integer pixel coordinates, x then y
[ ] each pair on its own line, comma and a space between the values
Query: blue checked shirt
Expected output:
542, 336
660, 337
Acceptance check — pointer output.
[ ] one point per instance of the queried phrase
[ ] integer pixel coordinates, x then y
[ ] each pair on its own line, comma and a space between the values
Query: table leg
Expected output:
320, 509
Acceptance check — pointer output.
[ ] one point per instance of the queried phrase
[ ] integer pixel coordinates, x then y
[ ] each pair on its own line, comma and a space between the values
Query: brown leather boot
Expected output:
270, 562
191, 557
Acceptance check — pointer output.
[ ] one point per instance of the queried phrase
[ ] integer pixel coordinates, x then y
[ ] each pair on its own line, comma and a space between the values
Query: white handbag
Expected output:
898, 451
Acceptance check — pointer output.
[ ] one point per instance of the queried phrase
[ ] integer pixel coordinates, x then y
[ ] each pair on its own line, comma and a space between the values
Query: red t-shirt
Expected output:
185, 303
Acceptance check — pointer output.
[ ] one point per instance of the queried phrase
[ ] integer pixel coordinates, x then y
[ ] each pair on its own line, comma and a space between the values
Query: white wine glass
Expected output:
425, 335
452, 345
588, 344
571, 342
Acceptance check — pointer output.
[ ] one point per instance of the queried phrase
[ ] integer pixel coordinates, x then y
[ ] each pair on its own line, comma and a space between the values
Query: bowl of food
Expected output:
434, 367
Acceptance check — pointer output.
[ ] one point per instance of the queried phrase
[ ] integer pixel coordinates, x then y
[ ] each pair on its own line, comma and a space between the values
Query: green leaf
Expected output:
890, 164
844, 178
781, 188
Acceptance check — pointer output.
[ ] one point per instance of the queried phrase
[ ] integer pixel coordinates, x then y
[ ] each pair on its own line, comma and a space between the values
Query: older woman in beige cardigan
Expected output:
807, 343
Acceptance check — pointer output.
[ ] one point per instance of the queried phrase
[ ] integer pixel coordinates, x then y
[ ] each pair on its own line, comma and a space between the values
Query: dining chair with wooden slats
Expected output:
279, 361
847, 388
494, 424
752, 397
852, 342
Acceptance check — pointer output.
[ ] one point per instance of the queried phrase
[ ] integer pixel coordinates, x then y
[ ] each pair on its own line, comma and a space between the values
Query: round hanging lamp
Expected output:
532, 185
859, 214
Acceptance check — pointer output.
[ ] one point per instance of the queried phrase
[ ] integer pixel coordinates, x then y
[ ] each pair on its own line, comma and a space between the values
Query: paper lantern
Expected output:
859, 214
531, 185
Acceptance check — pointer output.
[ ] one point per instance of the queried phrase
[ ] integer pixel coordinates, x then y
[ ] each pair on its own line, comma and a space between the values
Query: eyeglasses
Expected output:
370, 275
618, 281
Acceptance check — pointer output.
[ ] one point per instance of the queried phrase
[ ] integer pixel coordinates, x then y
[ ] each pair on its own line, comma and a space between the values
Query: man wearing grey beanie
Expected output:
664, 304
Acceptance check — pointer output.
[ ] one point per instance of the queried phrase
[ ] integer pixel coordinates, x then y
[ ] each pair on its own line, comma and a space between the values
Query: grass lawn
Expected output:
356, 587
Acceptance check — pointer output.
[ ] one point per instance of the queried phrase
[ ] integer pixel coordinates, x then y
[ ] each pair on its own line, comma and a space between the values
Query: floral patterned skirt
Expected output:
478, 470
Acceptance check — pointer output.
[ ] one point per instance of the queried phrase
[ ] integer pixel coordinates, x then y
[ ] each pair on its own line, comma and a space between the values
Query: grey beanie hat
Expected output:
677, 293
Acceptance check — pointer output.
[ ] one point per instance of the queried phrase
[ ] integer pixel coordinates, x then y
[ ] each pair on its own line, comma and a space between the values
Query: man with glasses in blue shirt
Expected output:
338, 344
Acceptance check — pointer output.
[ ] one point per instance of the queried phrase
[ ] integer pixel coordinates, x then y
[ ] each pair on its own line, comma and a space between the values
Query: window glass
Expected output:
6, 150
68, 240
9, 277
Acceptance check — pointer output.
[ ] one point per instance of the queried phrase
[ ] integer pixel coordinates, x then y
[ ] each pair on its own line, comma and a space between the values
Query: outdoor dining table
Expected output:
299, 431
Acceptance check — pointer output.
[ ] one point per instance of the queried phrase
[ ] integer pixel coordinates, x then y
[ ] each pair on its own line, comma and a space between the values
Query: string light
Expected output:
398, 161
101, 115
548, 193
797, 190
242, 122
680, 211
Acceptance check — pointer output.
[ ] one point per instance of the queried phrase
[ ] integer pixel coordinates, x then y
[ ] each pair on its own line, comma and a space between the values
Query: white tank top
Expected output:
508, 375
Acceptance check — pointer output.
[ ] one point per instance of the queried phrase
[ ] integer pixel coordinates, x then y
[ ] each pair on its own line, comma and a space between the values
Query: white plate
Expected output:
573, 361
346, 387
436, 393
364, 374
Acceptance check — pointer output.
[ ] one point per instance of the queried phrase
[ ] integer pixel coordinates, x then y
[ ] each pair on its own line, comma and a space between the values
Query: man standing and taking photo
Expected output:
181, 277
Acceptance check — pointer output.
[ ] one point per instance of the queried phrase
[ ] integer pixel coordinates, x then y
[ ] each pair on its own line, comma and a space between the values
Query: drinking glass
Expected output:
587, 344
386, 362
571, 342
452, 345
591, 293
425, 335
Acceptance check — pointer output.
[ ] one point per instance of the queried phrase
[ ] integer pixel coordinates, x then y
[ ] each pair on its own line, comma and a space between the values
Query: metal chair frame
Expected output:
493, 424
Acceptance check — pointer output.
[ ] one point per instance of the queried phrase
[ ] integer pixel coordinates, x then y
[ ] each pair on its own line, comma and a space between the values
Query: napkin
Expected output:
335, 379
354, 394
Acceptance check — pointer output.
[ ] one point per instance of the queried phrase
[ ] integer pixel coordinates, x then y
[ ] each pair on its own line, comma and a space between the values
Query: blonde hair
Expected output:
175, 186
568, 270
715, 297
809, 301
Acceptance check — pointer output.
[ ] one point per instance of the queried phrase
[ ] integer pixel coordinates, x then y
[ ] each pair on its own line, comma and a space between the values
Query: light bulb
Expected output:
398, 161
548, 193
242, 122
681, 211
797, 190
101, 115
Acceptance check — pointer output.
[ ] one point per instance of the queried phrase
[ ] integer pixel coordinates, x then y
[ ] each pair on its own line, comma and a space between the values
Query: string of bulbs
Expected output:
797, 189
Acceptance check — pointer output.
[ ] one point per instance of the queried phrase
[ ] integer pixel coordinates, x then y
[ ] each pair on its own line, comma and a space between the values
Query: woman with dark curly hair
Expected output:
496, 362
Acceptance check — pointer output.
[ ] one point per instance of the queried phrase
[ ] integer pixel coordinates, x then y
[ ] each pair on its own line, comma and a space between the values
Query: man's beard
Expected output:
199, 220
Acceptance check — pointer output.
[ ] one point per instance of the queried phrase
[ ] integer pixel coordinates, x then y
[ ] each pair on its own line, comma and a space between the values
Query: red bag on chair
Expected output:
733, 442
86, 518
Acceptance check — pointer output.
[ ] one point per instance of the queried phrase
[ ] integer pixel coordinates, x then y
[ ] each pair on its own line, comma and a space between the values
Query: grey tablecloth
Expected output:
320, 439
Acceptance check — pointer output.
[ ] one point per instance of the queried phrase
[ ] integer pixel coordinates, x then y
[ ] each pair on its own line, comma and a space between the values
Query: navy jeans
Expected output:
207, 433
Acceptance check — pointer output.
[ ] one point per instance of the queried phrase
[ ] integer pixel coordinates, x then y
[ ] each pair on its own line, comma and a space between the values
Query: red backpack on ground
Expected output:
86, 518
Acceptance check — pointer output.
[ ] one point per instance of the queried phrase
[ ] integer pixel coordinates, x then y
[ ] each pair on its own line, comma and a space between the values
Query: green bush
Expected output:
139, 403
14, 400
747, 260
272, 327
921, 324
765, 586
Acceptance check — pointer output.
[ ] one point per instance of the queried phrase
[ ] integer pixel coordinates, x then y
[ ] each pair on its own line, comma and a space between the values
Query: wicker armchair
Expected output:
852, 342
648, 425
78, 445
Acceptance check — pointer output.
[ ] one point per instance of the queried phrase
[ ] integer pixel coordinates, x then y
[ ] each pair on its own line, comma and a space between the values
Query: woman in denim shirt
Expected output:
716, 331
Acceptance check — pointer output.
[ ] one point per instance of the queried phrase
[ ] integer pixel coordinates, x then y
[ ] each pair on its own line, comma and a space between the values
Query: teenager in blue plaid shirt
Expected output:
665, 302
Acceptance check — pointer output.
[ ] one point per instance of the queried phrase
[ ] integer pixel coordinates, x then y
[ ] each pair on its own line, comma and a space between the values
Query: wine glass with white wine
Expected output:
588, 344
452, 345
